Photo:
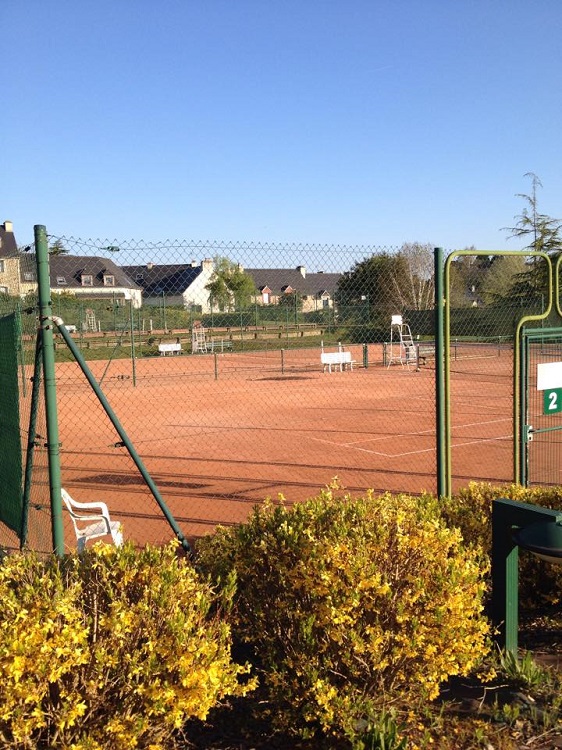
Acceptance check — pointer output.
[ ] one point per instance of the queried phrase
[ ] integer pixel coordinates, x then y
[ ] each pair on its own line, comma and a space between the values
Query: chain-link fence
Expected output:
249, 371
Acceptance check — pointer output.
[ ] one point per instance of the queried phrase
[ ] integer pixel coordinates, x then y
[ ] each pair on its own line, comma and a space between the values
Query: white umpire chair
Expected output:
402, 349
91, 520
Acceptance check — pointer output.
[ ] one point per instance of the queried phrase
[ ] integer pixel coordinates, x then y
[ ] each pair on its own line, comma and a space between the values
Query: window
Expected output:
61, 279
108, 280
29, 276
3, 290
139, 277
2, 269
87, 279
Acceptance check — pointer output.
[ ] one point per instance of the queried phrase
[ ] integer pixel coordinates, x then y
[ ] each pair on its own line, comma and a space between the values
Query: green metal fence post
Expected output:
31, 440
133, 356
443, 489
48, 354
20, 348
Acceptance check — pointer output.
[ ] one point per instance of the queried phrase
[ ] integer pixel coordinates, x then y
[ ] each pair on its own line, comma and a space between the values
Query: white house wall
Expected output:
196, 294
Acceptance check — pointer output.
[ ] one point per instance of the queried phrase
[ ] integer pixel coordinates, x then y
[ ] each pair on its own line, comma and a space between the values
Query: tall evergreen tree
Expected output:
543, 234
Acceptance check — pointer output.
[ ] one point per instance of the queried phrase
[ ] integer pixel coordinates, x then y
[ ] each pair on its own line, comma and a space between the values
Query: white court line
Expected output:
432, 449
346, 445
409, 453
475, 424
355, 444
483, 440
422, 432
386, 437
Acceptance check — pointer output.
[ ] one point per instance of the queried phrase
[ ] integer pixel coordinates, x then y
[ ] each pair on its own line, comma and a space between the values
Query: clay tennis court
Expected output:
220, 433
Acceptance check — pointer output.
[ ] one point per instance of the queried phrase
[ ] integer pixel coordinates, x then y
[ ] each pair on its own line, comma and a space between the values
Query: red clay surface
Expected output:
219, 434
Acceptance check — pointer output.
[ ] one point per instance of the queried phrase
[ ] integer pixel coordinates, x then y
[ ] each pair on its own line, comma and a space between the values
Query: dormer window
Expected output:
108, 279
87, 279
61, 279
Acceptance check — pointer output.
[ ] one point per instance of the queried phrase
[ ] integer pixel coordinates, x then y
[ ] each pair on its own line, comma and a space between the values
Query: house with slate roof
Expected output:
83, 276
178, 284
150, 283
186, 284
316, 290
90, 277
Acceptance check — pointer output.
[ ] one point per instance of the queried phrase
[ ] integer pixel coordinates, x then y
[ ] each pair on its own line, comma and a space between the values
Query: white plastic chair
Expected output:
91, 520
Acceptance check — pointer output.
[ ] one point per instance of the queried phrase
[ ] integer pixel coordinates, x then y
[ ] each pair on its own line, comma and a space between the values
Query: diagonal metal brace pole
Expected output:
77, 354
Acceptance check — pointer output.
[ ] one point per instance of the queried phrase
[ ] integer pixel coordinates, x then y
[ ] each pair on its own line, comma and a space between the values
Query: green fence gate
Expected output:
541, 407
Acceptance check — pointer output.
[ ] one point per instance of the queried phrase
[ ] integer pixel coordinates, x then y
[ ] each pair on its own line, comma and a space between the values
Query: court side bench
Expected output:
341, 360
423, 353
219, 345
171, 349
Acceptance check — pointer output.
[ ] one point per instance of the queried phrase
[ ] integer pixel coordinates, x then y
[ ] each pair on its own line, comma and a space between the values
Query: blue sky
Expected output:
314, 121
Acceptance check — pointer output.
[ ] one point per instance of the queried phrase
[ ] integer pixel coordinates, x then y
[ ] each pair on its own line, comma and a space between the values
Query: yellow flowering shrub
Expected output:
351, 604
113, 649
470, 510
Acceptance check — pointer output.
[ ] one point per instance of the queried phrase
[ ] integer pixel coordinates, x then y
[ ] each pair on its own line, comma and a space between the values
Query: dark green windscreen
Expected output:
10, 442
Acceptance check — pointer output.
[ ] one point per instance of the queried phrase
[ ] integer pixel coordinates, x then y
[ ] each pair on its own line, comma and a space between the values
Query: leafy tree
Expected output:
292, 300
229, 286
390, 283
413, 281
504, 273
366, 295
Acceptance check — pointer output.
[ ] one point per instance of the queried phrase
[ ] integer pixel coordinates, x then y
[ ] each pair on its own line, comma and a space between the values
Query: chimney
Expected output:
207, 264
302, 271
8, 226
194, 264
149, 265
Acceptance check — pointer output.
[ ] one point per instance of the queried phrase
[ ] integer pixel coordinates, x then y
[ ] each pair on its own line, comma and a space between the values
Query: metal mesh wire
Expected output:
225, 397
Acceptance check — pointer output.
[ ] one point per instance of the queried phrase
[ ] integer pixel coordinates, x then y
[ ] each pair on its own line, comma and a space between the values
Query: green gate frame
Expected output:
528, 336
443, 356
